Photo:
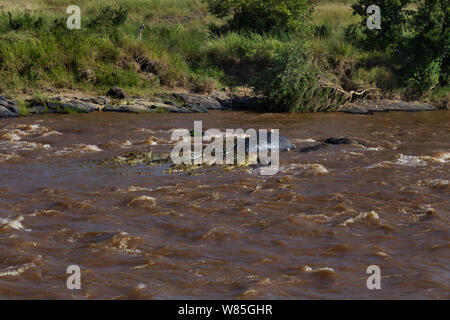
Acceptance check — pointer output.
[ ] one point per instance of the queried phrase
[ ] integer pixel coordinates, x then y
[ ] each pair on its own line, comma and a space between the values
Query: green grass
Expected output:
23, 109
180, 45
351, 67
88, 60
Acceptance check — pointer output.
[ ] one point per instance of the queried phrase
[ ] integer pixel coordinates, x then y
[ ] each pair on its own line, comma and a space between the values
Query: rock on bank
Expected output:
8, 108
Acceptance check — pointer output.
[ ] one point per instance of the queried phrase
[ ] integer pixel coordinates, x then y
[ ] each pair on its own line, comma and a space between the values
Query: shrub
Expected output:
426, 54
204, 84
242, 56
322, 31
23, 21
109, 18
262, 16
394, 15
418, 41
424, 78
292, 83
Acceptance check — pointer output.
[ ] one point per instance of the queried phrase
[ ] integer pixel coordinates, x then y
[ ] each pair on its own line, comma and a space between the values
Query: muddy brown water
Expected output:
309, 232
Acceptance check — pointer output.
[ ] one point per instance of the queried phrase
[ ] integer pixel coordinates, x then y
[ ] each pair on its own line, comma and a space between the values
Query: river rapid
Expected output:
308, 232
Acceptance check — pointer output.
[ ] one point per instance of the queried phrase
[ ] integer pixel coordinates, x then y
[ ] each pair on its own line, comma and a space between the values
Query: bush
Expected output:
292, 84
242, 48
262, 16
424, 78
394, 17
322, 31
418, 41
426, 54
242, 56
21, 21
109, 18
204, 84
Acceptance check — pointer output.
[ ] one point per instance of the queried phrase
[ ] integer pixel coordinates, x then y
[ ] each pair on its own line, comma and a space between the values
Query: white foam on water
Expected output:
13, 223
434, 183
146, 130
144, 201
79, 148
323, 271
8, 156
305, 140
126, 144
27, 146
23, 130
124, 243
414, 161
371, 216
373, 148
141, 286
304, 168
309, 269
315, 168
15, 271
13, 135
89, 148
123, 246
10, 137
152, 141
52, 133
442, 157
410, 161
131, 189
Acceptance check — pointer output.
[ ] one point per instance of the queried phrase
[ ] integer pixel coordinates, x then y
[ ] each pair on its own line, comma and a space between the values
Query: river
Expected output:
308, 232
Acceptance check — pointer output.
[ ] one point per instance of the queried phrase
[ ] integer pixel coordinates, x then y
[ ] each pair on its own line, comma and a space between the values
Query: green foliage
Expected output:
238, 58
23, 109
394, 16
108, 20
262, 16
24, 21
417, 41
292, 83
249, 49
322, 31
39, 99
425, 77
63, 59
109, 17
39, 49
426, 54
253, 46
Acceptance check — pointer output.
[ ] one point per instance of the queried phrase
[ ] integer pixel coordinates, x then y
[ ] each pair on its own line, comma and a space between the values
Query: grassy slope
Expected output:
177, 38
175, 29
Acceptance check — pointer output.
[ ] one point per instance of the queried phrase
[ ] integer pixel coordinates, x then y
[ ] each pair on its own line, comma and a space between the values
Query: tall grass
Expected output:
184, 44
49, 54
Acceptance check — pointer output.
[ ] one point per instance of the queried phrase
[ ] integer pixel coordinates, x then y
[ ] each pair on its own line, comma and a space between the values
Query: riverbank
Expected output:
184, 46
117, 100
